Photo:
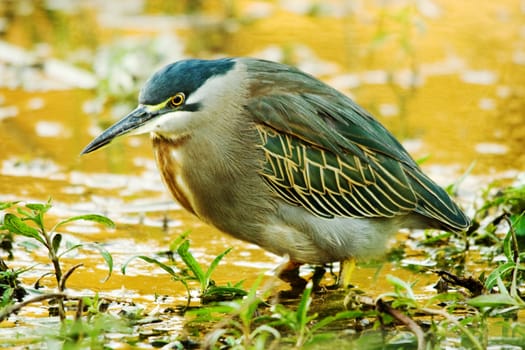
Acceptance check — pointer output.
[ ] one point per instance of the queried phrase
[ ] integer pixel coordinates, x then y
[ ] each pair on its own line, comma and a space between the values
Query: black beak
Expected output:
138, 117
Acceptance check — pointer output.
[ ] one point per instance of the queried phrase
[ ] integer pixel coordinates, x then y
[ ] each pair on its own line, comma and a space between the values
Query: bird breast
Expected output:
169, 162
217, 179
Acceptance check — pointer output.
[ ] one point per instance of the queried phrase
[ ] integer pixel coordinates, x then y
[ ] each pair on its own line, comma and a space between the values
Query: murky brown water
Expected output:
447, 77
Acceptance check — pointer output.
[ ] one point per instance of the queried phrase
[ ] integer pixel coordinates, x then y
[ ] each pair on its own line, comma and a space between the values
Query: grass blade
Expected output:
147, 259
184, 252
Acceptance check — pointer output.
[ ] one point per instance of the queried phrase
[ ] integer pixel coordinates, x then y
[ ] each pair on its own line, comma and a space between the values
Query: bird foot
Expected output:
290, 274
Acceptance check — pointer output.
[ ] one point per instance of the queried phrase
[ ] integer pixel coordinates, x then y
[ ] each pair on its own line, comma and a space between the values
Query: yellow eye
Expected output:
177, 100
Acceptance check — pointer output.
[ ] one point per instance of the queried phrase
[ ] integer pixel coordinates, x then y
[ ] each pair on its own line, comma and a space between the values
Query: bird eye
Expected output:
177, 100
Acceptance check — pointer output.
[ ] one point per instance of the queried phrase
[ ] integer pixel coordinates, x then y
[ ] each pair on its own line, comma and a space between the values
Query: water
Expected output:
447, 83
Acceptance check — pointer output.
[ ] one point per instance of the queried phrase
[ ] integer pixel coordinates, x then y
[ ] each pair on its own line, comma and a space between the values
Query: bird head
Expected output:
172, 100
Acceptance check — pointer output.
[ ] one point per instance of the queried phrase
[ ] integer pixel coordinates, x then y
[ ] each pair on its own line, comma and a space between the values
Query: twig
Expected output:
407, 321
80, 306
473, 285
65, 276
16, 307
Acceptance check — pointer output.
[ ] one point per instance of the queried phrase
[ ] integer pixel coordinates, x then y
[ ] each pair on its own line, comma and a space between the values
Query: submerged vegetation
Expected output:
470, 309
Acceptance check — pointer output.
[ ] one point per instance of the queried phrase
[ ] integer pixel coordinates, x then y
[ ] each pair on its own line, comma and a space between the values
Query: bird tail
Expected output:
433, 202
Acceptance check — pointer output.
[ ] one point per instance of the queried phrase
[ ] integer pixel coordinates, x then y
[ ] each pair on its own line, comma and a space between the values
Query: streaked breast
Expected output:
169, 161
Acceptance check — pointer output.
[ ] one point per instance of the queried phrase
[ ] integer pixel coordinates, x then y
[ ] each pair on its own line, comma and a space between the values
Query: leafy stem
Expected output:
29, 221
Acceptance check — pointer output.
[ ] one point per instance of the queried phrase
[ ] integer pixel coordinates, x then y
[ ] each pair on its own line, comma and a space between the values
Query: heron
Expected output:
273, 156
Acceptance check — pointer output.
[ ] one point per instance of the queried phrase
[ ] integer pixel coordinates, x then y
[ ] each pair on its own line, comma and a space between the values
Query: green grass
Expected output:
468, 311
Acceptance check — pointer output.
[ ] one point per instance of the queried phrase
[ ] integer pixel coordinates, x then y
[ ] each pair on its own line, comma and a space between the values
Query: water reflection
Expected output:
422, 68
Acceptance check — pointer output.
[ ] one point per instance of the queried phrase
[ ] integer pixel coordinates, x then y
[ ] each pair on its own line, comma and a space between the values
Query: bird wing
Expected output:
325, 153
329, 184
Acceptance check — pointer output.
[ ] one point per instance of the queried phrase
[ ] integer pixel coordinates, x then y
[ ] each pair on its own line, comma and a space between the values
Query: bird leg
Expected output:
346, 269
319, 272
290, 274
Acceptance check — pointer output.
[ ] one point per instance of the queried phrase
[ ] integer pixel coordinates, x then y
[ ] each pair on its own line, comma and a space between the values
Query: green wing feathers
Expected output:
327, 154
329, 186
434, 202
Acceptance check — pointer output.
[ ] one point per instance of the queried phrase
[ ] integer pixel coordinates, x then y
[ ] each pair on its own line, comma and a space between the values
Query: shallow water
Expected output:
445, 81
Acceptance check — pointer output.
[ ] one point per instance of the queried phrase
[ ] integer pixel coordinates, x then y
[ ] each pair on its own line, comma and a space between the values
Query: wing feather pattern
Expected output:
325, 153
328, 185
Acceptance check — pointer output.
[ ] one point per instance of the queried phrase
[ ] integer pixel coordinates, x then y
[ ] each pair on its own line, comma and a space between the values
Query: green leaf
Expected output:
215, 294
237, 285
497, 273
343, 315
5, 205
70, 248
103, 252
184, 252
448, 298
101, 219
13, 224
518, 223
147, 259
39, 207
57, 239
507, 247
214, 264
225, 290
400, 285
437, 238
251, 303
105, 255
304, 306
26, 214
177, 241
208, 310
493, 300
38, 213
7, 297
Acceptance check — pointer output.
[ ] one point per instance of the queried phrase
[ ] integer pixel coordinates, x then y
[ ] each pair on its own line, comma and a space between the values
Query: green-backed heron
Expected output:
273, 156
